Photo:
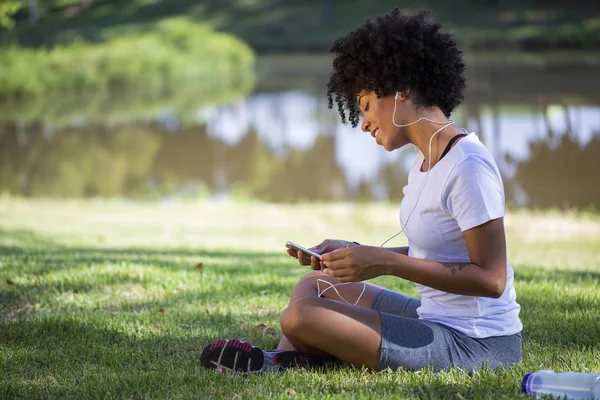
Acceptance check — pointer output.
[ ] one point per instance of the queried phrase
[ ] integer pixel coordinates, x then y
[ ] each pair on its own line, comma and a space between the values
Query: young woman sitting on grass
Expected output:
405, 77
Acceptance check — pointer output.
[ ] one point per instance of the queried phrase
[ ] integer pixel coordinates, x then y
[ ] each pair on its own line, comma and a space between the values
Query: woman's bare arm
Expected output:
484, 275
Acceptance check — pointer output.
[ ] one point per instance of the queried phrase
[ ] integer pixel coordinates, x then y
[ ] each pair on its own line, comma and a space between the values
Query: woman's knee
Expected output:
296, 319
307, 282
313, 276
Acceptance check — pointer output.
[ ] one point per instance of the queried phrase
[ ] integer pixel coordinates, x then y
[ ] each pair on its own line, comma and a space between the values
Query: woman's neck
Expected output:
420, 134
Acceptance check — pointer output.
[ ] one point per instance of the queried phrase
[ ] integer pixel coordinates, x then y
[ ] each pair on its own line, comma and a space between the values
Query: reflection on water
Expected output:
285, 145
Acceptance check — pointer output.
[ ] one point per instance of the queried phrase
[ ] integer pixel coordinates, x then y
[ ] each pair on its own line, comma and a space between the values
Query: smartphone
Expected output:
291, 245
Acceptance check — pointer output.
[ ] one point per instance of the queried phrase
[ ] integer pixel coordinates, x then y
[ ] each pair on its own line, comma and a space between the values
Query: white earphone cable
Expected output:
445, 125
420, 189
331, 285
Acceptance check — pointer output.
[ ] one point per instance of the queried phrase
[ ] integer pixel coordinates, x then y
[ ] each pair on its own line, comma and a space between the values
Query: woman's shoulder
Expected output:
472, 164
473, 192
471, 146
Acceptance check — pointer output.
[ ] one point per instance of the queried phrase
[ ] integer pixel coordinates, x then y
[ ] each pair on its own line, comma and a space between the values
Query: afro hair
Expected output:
396, 52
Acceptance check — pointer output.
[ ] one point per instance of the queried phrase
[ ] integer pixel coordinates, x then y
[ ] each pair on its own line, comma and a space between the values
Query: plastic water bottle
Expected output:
574, 385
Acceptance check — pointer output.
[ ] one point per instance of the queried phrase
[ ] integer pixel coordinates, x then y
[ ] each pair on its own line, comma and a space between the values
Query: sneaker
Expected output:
233, 356
297, 359
242, 358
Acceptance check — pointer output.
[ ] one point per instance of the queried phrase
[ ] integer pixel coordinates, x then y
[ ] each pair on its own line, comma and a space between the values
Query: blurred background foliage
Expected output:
160, 98
175, 54
71, 46
312, 25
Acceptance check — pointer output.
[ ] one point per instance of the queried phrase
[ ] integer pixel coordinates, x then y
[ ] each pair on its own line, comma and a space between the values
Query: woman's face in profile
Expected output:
377, 119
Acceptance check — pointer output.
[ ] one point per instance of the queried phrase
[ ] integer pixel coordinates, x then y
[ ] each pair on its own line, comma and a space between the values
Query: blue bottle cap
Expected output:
526, 383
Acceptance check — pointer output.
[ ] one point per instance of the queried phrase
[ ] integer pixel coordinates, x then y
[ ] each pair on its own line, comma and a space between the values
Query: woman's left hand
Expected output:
357, 263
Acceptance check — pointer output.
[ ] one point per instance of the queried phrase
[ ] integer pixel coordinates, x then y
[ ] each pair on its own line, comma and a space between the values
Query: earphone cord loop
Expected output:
446, 124
332, 286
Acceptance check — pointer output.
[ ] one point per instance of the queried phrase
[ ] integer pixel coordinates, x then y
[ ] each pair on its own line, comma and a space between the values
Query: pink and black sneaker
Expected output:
234, 356
242, 358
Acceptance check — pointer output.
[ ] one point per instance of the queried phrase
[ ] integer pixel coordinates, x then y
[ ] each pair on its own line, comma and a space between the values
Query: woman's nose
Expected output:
365, 125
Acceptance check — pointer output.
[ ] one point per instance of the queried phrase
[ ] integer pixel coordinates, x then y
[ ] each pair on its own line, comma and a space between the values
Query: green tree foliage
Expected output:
177, 53
7, 9
312, 25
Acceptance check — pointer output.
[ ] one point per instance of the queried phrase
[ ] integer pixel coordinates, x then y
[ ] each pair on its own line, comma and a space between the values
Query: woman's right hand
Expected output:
326, 246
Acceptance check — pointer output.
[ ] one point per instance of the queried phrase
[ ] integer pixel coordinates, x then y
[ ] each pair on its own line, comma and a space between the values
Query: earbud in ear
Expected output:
397, 93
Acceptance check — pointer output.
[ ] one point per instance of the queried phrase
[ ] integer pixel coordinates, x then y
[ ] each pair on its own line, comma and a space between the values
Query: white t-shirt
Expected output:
463, 190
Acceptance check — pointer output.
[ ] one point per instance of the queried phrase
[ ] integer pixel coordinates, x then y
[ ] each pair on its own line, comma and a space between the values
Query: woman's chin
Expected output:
386, 146
394, 145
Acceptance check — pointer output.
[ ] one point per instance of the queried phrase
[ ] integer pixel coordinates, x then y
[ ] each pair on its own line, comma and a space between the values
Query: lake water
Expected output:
540, 119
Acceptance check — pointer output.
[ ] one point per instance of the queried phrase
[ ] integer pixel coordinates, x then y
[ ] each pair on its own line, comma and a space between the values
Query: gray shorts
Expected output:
410, 343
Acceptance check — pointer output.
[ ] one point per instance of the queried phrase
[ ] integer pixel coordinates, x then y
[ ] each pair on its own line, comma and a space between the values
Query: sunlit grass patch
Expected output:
129, 317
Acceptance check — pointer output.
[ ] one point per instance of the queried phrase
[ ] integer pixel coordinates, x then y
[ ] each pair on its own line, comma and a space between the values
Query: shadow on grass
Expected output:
175, 260
41, 273
89, 360
41, 254
559, 308
93, 356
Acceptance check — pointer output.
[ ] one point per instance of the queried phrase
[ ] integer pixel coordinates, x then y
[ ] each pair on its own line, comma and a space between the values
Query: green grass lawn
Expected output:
116, 299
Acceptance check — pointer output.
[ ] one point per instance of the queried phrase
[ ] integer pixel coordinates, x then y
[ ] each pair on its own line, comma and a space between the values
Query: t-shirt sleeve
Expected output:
474, 192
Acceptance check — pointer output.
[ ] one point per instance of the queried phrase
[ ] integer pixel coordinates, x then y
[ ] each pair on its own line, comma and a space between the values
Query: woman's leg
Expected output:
350, 333
305, 297
390, 336
308, 287
378, 340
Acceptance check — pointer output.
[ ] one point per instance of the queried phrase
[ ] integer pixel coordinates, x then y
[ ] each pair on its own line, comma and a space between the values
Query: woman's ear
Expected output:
403, 95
